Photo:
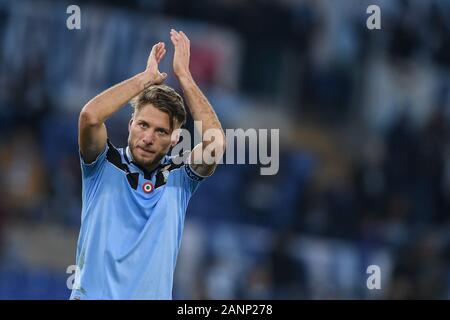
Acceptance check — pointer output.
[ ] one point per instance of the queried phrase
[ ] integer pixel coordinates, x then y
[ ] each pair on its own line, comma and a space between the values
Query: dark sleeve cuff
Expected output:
192, 174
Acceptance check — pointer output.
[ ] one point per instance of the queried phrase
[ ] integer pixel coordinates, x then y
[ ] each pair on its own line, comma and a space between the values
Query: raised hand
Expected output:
181, 55
157, 53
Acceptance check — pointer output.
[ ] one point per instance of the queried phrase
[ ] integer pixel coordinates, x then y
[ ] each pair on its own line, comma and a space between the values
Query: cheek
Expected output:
164, 142
134, 134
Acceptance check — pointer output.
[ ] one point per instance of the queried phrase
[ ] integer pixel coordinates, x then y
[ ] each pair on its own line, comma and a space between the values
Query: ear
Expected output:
175, 137
130, 122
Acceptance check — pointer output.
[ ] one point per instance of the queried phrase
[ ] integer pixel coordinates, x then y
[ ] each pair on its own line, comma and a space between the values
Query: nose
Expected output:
149, 137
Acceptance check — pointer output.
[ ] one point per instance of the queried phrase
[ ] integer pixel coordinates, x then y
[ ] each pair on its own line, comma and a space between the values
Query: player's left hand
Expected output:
181, 55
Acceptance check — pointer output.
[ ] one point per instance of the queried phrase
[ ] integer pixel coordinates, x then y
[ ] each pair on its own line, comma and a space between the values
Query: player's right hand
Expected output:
157, 53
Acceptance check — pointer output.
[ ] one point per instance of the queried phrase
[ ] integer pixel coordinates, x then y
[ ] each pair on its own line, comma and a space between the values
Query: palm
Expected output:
157, 53
181, 54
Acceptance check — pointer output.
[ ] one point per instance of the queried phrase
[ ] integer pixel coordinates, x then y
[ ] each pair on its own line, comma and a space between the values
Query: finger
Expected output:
176, 45
180, 40
176, 35
185, 37
173, 39
163, 52
180, 37
172, 33
160, 52
160, 78
157, 53
186, 42
151, 57
153, 51
159, 47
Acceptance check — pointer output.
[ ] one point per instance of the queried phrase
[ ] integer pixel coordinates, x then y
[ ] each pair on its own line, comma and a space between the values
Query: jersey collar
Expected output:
147, 174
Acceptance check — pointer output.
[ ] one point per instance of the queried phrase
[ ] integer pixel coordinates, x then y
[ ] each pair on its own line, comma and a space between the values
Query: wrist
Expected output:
184, 77
145, 80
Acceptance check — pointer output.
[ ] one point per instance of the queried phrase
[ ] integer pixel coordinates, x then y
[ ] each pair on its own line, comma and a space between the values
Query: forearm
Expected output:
206, 155
199, 106
111, 100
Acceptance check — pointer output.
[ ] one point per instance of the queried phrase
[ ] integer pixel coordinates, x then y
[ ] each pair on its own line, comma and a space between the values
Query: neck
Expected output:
146, 168
152, 166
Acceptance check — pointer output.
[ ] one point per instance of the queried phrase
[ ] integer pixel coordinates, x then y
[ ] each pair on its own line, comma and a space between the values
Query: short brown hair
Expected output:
163, 98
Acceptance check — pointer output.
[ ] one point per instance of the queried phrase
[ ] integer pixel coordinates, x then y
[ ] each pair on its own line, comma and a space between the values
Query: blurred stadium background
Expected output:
364, 119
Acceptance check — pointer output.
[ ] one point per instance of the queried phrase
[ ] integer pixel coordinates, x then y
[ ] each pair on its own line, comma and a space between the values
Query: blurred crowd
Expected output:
364, 141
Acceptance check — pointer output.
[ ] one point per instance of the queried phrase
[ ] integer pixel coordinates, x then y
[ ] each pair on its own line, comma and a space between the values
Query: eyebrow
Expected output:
163, 129
157, 128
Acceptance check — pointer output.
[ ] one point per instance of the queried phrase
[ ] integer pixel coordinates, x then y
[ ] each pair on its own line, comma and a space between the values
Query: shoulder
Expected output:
176, 171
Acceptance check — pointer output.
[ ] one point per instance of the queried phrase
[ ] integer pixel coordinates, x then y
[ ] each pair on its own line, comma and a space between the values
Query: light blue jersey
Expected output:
131, 226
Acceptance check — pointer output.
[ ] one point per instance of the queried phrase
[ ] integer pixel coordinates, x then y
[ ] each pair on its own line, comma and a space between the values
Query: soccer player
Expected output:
135, 198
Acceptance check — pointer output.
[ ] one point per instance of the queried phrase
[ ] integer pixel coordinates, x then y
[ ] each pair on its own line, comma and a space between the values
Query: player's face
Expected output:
149, 136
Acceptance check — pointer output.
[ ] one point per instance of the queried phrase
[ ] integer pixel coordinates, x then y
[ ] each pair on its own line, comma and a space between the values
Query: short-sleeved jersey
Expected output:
131, 226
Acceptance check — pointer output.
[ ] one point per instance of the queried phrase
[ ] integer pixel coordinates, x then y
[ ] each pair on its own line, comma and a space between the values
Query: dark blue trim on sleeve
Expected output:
191, 173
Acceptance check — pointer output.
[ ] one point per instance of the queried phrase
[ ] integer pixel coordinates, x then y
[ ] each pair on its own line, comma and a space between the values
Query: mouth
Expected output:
146, 151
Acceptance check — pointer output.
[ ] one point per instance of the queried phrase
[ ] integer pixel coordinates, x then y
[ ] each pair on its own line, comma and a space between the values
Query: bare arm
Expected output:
205, 156
91, 124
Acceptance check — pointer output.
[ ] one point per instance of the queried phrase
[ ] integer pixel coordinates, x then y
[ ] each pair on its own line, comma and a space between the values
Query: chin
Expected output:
145, 161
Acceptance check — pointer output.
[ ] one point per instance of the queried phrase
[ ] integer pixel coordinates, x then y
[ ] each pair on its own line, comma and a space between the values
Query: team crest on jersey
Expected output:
148, 187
